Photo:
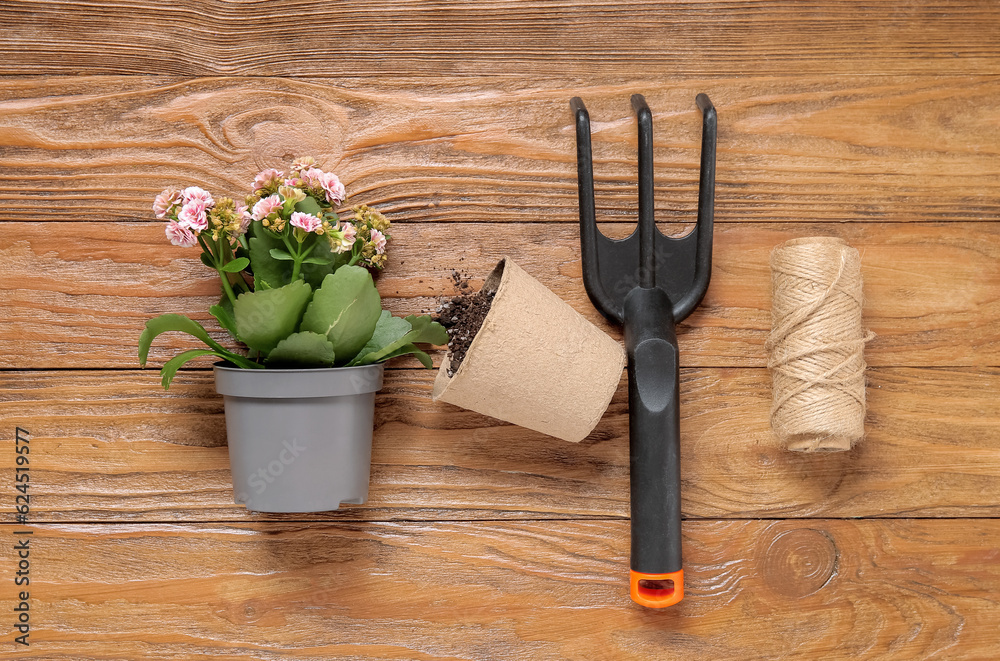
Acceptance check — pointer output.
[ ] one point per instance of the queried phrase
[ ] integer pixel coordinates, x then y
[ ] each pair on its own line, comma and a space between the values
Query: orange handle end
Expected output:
656, 590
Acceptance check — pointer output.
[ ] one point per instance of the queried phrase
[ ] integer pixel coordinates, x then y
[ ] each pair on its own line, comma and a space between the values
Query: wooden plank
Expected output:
537, 38
79, 293
112, 446
802, 148
903, 590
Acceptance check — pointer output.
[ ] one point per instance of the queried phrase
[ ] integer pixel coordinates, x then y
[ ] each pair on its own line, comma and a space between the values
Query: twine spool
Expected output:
816, 347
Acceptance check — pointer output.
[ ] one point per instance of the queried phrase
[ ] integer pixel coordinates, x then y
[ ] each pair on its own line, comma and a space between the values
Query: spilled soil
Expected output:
463, 316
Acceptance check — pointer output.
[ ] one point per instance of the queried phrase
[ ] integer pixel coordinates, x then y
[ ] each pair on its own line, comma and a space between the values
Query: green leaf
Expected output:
422, 329
406, 349
223, 313
427, 330
272, 268
264, 318
170, 368
314, 272
387, 330
268, 272
207, 261
304, 349
317, 260
236, 265
346, 309
172, 322
309, 205
178, 322
422, 356
403, 350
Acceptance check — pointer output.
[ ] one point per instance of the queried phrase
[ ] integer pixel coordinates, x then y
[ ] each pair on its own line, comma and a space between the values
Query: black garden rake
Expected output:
649, 282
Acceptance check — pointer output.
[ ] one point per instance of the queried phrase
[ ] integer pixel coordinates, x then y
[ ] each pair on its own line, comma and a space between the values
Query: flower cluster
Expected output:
317, 183
271, 212
275, 203
187, 213
275, 199
373, 229
294, 214
228, 218
193, 211
310, 180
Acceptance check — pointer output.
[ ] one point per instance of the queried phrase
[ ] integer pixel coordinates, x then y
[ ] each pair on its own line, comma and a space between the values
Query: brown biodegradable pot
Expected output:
536, 362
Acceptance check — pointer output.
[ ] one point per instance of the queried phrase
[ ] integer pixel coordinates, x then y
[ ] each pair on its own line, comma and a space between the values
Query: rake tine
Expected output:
647, 224
706, 211
589, 235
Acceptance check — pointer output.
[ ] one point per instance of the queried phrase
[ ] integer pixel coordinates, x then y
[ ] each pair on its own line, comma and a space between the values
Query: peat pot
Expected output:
536, 362
300, 440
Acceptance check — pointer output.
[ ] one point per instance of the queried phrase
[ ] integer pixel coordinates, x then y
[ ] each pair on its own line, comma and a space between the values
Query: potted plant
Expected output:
297, 291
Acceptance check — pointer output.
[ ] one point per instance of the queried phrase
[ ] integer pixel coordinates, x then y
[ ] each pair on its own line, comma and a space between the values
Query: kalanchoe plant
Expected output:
297, 289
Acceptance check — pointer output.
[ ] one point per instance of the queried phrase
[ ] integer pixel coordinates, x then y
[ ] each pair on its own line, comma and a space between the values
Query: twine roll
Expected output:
816, 346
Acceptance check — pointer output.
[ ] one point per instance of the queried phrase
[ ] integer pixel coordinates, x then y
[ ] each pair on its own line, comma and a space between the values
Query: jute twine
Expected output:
816, 347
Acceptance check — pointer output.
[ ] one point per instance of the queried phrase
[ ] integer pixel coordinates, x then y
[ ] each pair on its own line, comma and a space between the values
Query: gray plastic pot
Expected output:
300, 440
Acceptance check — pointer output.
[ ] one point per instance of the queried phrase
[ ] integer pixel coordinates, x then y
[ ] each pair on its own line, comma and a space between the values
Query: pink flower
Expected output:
180, 235
303, 163
350, 235
378, 240
335, 191
311, 177
306, 221
328, 181
267, 178
193, 216
166, 201
245, 219
195, 194
266, 206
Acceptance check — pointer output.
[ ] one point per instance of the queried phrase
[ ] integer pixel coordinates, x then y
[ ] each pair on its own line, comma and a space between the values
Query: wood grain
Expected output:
78, 294
112, 446
874, 121
791, 149
555, 590
561, 38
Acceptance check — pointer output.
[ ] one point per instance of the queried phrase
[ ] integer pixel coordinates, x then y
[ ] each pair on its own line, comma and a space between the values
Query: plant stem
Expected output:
230, 256
226, 287
305, 253
204, 246
297, 256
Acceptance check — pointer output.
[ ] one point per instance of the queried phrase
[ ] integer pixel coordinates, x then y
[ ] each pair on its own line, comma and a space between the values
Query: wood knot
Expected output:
277, 134
799, 562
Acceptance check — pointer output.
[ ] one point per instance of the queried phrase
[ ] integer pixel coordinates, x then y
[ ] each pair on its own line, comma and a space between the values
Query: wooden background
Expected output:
875, 121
